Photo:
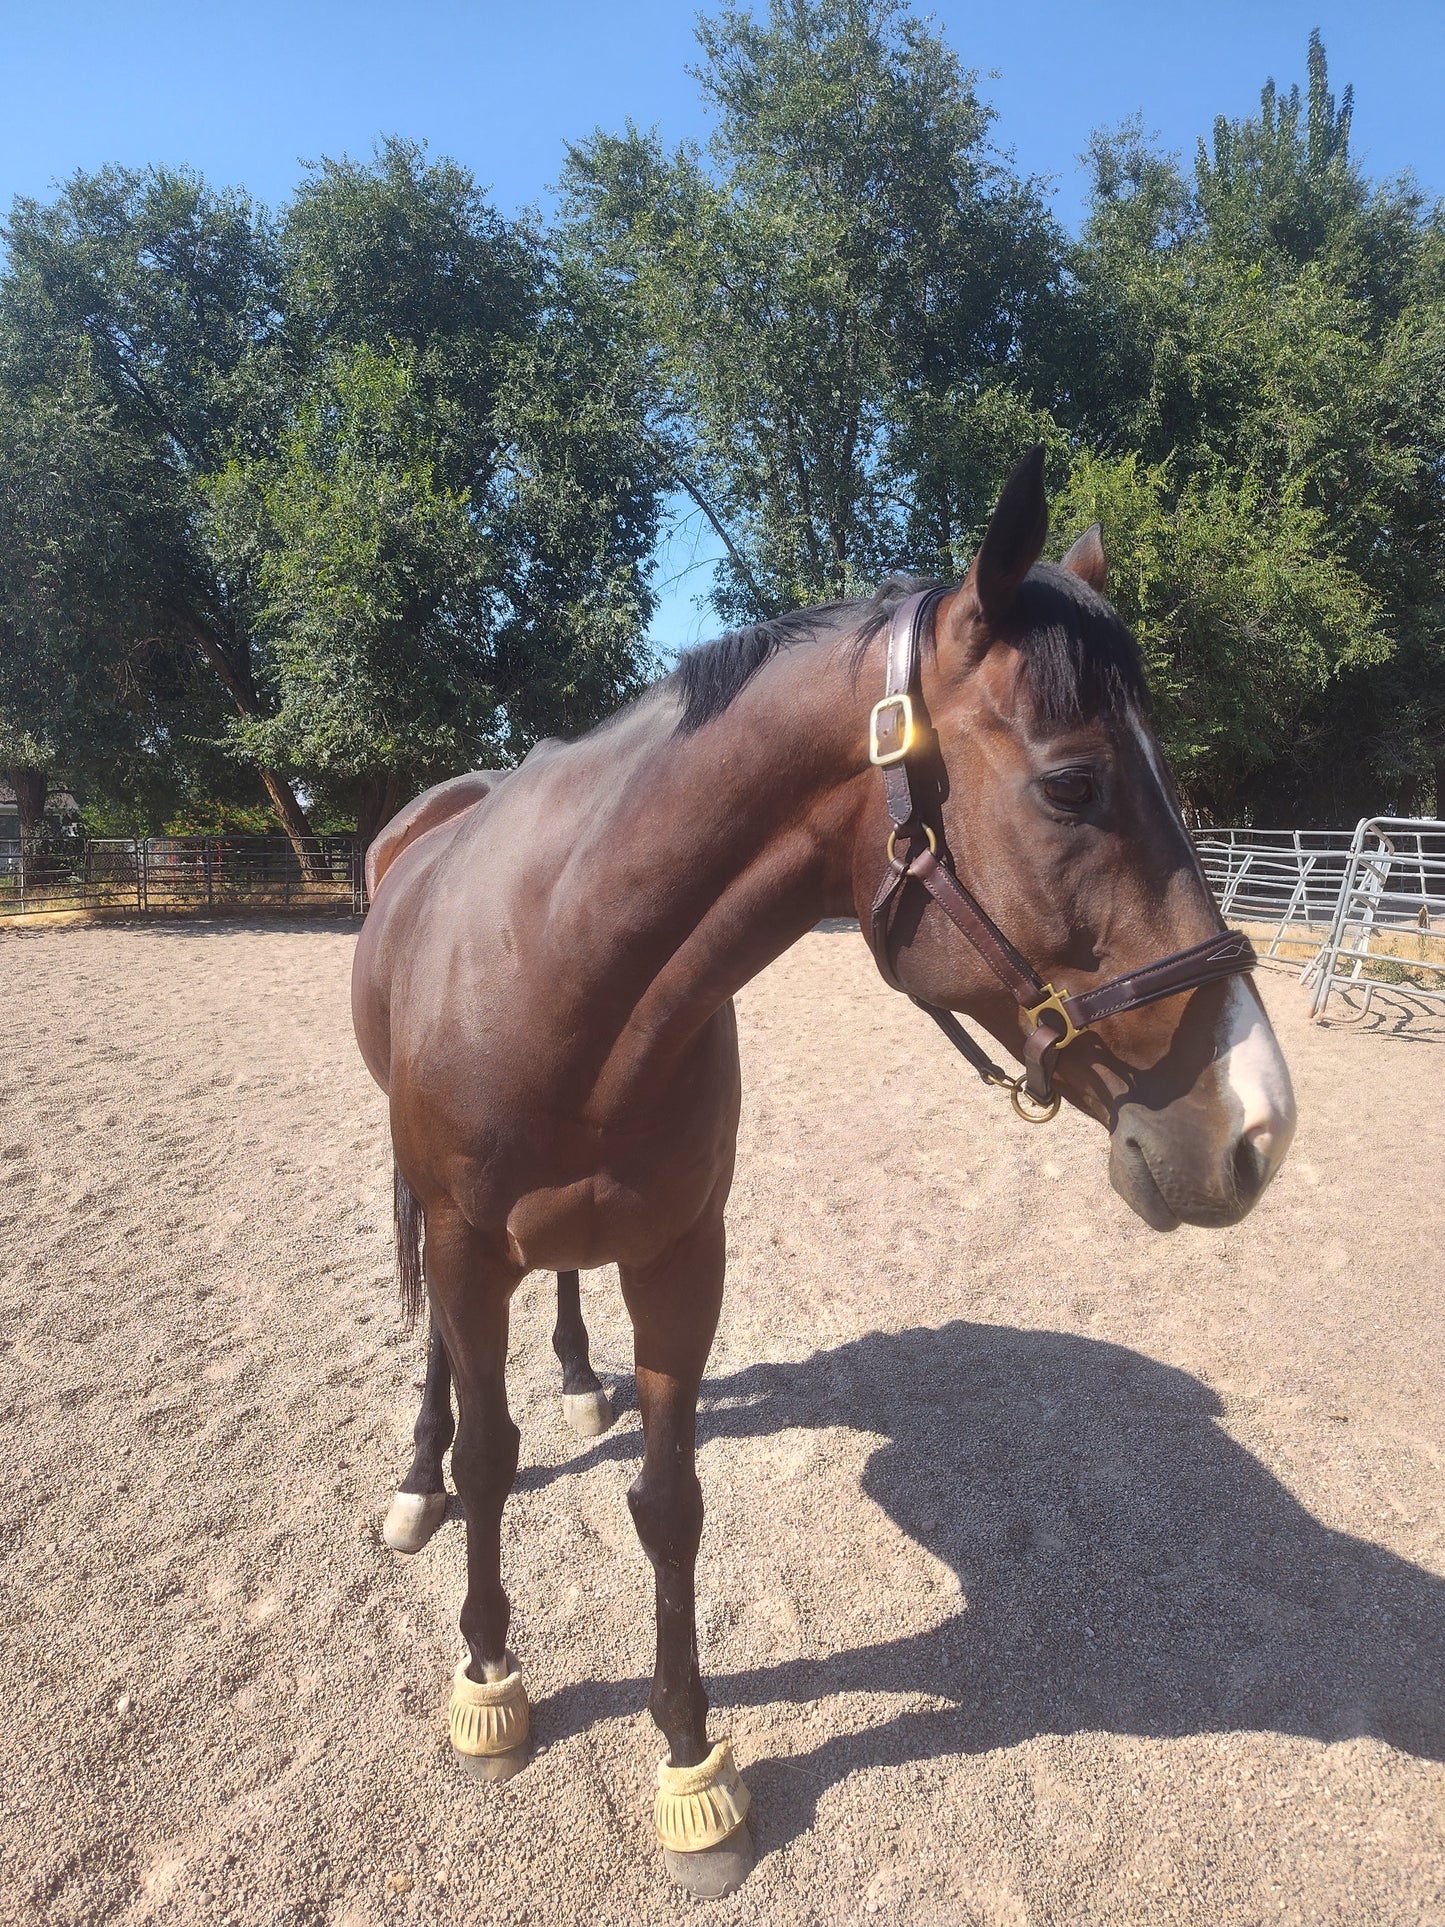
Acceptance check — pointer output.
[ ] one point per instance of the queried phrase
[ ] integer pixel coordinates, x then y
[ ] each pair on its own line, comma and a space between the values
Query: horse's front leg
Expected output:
470, 1293
585, 1406
421, 1502
701, 1804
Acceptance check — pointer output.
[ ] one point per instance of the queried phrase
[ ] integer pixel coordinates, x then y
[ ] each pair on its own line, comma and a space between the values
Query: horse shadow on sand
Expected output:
1128, 1567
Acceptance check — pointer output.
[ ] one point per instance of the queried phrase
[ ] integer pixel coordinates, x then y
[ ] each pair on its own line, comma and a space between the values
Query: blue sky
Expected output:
245, 93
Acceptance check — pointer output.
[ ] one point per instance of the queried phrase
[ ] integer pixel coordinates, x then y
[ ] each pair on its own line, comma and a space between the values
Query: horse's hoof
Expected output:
412, 1519
493, 1766
588, 1413
489, 1723
701, 1818
714, 1872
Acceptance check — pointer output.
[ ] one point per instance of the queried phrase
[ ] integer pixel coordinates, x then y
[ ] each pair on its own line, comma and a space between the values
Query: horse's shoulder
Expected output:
429, 811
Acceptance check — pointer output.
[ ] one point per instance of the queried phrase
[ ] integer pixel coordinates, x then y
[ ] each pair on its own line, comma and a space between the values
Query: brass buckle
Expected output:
881, 758
1054, 1000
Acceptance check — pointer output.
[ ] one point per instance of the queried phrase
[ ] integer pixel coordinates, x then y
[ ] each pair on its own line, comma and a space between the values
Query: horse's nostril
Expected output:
1251, 1169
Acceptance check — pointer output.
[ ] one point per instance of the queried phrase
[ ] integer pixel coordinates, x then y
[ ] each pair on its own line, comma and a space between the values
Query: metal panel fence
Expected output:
165, 873
1282, 884
1353, 910
1388, 926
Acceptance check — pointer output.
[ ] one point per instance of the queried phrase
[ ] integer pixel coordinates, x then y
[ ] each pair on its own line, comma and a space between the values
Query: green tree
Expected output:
167, 291
840, 299
451, 537
64, 565
1268, 331
1242, 608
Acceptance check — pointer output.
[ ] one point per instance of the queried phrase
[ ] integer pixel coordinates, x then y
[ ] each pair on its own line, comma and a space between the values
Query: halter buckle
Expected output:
884, 758
1054, 1000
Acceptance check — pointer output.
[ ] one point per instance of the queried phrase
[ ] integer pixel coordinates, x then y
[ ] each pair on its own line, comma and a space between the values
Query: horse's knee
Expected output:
667, 1512
484, 1458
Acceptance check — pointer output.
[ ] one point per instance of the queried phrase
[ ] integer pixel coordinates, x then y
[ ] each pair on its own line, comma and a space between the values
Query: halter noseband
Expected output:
1055, 1018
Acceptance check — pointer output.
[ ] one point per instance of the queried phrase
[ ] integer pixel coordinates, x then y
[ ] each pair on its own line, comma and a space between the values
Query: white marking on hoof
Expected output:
412, 1519
588, 1413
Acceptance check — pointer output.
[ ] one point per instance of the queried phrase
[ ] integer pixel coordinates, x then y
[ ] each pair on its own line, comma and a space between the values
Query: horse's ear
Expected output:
1014, 540
1087, 560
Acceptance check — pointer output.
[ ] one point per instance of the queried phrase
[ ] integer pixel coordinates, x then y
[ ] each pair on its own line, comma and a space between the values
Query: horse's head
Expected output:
1060, 817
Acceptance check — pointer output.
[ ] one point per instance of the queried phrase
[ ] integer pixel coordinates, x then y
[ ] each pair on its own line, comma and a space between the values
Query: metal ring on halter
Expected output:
893, 842
1041, 1114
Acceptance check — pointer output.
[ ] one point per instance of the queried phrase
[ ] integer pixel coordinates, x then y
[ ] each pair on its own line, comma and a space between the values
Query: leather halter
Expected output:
916, 853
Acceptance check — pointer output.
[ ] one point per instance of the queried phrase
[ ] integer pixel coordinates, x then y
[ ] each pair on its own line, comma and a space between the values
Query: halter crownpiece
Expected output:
916, 854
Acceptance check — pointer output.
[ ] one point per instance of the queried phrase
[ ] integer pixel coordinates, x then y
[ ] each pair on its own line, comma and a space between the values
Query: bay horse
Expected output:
543, 988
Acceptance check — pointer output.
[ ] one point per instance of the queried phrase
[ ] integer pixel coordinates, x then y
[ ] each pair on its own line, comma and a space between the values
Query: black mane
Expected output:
1080, 655
709, 677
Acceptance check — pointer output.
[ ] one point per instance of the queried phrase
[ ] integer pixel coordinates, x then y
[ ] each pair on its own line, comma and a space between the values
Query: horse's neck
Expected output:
724, 846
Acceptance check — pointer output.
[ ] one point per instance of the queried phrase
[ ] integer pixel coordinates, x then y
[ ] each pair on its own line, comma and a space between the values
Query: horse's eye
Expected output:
1071, 789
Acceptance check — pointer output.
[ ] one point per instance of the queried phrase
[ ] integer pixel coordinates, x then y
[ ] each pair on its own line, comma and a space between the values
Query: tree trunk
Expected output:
235, 675
378, 798
292, 819
31, 787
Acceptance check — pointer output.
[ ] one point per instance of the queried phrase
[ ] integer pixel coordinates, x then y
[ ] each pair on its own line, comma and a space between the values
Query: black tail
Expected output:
410, 1222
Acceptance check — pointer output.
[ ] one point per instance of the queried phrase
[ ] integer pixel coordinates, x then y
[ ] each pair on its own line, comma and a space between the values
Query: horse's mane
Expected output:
709, 677
1080, 655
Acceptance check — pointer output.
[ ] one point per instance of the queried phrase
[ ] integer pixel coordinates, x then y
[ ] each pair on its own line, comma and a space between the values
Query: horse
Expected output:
420, 1503
543, 987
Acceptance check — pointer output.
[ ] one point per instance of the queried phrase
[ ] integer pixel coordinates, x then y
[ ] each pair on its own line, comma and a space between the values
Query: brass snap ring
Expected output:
1028, 1107
893, 842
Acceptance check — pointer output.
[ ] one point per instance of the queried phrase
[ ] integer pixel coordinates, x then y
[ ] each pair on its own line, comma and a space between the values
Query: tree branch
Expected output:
735, 555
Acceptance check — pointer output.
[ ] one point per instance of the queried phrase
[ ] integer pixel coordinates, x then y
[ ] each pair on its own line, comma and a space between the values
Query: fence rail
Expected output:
1351, 909
1287, 881
162, 873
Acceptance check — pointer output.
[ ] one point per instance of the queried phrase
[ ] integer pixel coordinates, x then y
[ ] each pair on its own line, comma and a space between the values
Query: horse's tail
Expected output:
410, 1223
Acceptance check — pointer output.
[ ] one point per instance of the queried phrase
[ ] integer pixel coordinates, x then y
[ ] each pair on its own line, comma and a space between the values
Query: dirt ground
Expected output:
1055, 1572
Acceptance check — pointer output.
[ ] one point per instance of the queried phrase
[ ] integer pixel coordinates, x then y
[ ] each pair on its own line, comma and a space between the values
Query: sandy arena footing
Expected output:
1054, 1572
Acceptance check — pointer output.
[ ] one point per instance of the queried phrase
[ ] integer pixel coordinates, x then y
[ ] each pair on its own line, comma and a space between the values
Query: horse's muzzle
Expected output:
1171, 1177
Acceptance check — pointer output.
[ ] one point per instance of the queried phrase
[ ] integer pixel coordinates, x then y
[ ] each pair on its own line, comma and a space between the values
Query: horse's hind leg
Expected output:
585, 1406
470, 1293
421, 1502
701, 1807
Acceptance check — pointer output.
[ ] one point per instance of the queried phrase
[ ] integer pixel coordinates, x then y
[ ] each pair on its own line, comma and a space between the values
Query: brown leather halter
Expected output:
916, 853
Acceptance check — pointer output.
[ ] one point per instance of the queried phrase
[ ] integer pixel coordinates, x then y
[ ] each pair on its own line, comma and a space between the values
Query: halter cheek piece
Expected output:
915, 855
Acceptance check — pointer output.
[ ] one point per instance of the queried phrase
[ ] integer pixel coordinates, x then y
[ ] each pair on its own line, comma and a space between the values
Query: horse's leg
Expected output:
421, 1502
701, 1805
585, 1406
470, 1292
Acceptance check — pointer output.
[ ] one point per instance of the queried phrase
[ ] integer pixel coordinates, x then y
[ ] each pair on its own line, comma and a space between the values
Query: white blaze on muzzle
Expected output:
1252, 1068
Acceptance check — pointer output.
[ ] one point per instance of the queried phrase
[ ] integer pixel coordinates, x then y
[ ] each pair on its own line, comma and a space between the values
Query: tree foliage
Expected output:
449, 537
839, 298
93, 687
1268, 330
337, 501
